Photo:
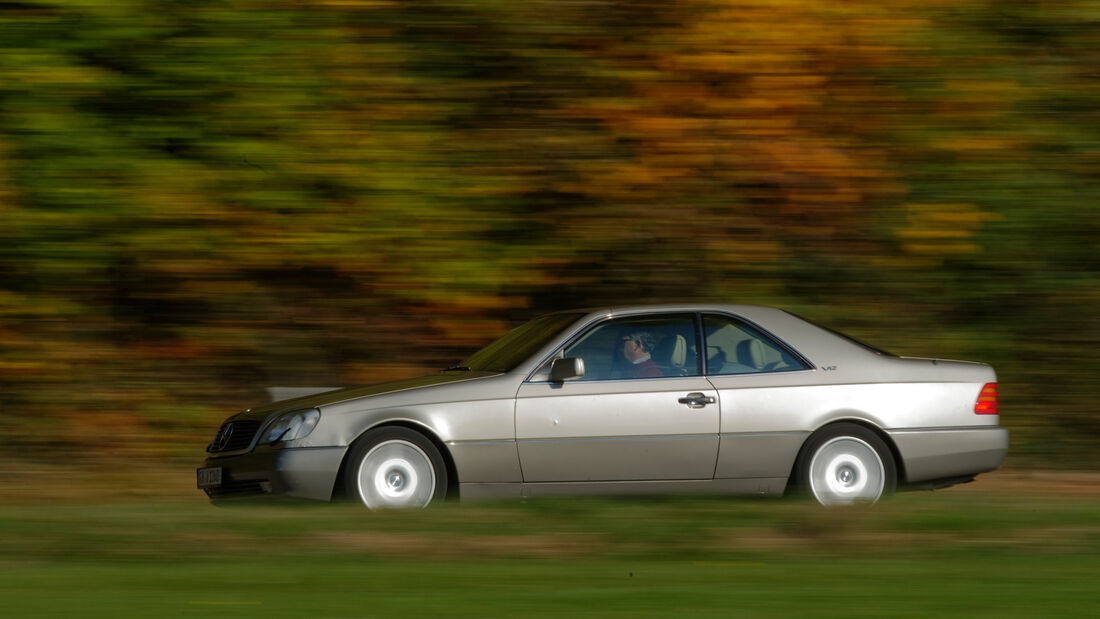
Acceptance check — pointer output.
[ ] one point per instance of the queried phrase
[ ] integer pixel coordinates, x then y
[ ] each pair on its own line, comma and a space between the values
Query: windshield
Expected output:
520, 343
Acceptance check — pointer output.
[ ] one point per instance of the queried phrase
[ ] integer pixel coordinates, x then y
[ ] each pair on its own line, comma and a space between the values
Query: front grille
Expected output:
234, 435
233, 488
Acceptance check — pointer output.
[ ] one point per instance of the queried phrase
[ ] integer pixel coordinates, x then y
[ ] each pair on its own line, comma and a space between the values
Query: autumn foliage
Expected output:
202, 199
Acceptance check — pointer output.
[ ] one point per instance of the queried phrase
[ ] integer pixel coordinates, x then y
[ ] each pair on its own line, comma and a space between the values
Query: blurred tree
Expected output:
200, 200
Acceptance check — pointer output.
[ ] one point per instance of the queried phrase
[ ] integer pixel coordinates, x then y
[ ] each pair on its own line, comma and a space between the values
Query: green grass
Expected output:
990, 554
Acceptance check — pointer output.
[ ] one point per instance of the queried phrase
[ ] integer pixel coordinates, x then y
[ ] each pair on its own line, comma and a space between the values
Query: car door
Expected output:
761, 385
652, 417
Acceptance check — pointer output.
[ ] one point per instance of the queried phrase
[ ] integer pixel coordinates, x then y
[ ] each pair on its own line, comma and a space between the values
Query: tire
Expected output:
395, 467
844, 464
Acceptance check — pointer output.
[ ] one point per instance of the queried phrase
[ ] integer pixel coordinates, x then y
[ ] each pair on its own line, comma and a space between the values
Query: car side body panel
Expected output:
752, 455
474, 419
763, 429
627, 430
309, 473
750, 486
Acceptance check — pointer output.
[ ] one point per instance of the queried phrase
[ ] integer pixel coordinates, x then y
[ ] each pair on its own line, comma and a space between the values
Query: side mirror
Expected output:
564, 369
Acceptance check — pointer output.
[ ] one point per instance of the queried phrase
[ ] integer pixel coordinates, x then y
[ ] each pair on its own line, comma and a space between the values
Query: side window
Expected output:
734, 347
639, 347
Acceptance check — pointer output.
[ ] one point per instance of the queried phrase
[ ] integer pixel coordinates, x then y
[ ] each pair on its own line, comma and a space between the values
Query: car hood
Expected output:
343, 395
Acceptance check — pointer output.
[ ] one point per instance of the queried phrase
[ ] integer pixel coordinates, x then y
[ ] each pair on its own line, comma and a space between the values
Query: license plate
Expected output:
209, 478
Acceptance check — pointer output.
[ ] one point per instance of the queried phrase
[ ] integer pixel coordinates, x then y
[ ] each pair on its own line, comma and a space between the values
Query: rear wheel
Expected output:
395, 467
844, 464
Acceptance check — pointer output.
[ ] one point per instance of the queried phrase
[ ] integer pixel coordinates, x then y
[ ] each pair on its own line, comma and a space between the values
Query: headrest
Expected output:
672, 351
751, 353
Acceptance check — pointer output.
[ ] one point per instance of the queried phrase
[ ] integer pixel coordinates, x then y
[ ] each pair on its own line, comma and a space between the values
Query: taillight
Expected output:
987, 400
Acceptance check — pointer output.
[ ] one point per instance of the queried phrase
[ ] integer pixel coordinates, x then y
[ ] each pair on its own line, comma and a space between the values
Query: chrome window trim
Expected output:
807, 365
597, 381
773, 373
588, 326
700, 334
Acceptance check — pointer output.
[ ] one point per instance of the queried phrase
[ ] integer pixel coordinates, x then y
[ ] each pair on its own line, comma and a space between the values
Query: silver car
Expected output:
672, 399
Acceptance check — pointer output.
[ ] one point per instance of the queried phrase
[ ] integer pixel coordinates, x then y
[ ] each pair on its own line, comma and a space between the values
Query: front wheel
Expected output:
844, 464
395, 467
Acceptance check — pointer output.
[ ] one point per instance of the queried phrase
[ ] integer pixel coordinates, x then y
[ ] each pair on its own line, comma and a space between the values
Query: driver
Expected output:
636, 348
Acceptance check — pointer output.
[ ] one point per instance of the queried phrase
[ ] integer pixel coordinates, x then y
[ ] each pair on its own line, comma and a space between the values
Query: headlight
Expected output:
291, 426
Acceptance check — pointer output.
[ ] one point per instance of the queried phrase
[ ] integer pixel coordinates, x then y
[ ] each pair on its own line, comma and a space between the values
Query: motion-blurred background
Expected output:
202, 199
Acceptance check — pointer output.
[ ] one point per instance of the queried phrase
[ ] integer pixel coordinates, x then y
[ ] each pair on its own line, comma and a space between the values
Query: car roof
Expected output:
663, 307
686, 307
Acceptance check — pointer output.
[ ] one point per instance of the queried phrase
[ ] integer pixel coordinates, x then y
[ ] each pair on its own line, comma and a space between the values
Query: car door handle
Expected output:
697, 400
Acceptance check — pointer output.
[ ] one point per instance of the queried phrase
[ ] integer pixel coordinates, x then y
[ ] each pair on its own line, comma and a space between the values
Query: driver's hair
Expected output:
645, 338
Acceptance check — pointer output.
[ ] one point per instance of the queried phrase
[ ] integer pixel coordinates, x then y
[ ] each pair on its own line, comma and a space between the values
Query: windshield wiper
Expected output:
457, 368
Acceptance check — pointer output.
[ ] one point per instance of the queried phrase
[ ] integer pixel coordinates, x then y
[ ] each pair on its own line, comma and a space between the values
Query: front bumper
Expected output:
270, 470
